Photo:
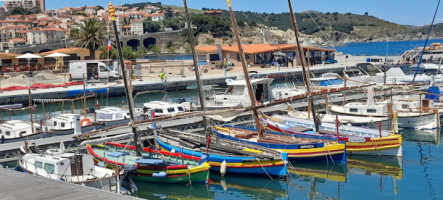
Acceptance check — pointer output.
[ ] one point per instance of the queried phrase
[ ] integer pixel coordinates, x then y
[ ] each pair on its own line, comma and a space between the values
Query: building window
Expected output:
405, 106
55, 123
62, 124
371, 110
7, 133
353, 110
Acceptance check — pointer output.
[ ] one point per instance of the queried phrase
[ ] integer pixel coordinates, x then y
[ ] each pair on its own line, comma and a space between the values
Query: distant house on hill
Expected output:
213, 13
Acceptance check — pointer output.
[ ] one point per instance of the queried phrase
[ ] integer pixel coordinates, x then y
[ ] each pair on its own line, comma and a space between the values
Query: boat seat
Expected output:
300, 129
327, 132
117, 154
245, 135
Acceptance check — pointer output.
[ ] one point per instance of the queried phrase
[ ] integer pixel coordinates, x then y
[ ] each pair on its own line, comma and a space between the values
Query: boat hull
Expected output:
300, 152
236, 165
384, 146
173, 174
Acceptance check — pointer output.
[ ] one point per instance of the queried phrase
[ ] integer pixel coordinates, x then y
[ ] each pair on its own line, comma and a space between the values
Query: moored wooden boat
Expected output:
226, 156
154, 165
358, 140
298, 148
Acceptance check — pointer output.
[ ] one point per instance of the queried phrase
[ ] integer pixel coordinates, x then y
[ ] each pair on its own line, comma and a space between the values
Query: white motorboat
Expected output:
160, 108
69, 167
67, 123
112, 116
409, 116
18, 130
236, 95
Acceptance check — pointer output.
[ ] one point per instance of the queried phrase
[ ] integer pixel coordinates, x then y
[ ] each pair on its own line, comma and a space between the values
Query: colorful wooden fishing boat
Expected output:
358, 140
298, 147
226, 156
153, 165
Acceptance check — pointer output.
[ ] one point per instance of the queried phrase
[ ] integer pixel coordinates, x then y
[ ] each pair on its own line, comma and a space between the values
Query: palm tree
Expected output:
92, 34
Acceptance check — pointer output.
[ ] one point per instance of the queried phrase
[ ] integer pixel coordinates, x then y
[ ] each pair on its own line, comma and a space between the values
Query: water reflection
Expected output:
432, 136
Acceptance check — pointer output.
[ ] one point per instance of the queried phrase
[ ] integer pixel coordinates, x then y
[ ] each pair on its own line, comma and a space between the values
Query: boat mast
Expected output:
245, 71
125, 79
301, 58
201, 94
30, 108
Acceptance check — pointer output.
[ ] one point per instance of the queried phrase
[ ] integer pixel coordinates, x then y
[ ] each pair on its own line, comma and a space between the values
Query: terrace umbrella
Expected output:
56, 55
28, 56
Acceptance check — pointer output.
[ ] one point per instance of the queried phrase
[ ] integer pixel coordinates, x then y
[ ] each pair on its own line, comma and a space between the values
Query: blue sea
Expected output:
386, 48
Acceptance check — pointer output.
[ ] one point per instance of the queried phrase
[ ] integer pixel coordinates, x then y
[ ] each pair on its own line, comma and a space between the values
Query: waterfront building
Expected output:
263, 54
158, 17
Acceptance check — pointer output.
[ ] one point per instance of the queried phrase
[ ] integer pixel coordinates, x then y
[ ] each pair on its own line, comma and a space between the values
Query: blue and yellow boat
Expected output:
226, 156
298, 148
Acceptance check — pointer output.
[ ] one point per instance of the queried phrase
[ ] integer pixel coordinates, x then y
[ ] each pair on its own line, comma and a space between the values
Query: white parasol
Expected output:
28, 56
56, 55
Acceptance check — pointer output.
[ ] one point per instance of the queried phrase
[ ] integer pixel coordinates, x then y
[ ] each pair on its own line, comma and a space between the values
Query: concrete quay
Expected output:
172, 83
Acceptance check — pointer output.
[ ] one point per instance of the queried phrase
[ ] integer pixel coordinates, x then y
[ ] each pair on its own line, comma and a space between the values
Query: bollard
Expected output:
323, 62
224, 71
278, 67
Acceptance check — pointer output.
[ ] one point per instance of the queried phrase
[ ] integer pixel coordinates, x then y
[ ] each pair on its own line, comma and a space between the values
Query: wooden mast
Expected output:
197, 72
125, 79
302, 62
245, 71
30, 108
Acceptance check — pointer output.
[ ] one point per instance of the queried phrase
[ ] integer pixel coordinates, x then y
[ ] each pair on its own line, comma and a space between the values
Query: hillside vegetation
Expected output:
321, 28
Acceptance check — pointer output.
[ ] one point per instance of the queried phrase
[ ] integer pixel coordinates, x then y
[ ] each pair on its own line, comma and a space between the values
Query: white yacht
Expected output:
17, 130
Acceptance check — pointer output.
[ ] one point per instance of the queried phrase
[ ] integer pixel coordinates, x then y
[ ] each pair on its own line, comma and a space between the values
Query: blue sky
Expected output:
406, 12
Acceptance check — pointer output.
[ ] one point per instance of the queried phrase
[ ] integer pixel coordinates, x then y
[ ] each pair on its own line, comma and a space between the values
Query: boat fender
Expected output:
223, 168
85, 122
159, 175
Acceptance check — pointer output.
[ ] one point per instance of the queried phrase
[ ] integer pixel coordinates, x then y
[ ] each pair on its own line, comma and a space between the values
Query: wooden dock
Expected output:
24, 186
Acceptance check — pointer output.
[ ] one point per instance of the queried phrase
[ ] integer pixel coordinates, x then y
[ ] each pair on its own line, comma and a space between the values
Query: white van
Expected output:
92, 70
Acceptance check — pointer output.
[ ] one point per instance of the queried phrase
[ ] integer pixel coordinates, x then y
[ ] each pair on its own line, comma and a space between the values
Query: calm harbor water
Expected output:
415, 176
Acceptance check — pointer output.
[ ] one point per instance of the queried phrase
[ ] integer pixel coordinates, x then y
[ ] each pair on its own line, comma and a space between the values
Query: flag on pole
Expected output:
108, 45
123, 100
33, 107
97, 105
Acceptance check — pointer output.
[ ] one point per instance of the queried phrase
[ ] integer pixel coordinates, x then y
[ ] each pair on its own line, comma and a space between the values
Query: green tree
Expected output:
141, 51
92, 34
174, 23
150, 27
171, 49
112, 54
155, 49
169, 13
74, 32
128, 53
